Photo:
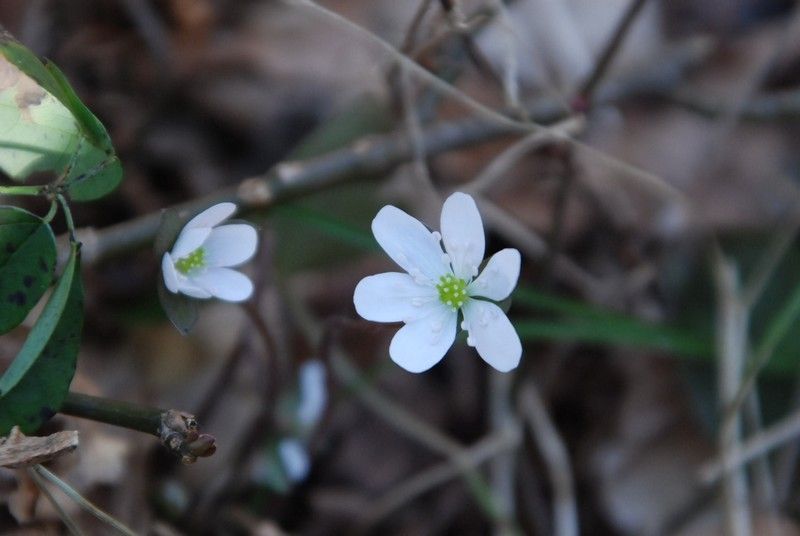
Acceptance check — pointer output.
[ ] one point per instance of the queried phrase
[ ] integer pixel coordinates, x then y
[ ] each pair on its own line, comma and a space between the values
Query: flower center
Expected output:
193, 261
452, 291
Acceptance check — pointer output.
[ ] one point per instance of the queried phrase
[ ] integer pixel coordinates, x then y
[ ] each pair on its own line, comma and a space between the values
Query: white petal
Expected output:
230, 245
409, 244
295, 459
213, 215
193, 291
421, 344
492, 334
313, 393
393, 297
499, 276
224, 283
170, 274
462, 233
189, 240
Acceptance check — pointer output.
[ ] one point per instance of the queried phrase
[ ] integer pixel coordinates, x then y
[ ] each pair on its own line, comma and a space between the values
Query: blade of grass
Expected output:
614, 331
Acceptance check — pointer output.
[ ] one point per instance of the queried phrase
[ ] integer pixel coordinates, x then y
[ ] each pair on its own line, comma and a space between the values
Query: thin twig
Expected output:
66, 518
556, 458
427, 191
771, 258
415, 429
413, 28
535, 247
731, 347
763, 484
610, 51
771, 437
626, 169
503, 162
487, 448
371, 156
503, 467
563, 194
511, 57
82, 501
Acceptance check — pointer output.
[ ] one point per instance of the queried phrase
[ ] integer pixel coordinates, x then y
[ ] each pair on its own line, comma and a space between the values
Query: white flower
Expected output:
313, 393
438, 285
295, 459
200, 262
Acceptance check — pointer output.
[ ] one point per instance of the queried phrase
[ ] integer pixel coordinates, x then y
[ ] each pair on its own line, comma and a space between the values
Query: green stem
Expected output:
52, 212
68, 218
21, 190
116, 412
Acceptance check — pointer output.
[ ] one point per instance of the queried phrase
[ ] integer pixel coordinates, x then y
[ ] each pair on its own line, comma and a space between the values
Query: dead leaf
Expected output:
18, 450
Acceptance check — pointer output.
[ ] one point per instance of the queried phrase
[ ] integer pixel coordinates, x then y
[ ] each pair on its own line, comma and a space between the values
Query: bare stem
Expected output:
177, 430
611, 49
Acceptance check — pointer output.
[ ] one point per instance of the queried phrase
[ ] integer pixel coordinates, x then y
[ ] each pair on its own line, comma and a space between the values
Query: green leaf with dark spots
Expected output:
44, 127
27, 257
35, 385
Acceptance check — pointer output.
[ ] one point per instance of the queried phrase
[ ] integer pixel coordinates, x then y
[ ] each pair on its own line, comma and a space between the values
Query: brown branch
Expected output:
371, 156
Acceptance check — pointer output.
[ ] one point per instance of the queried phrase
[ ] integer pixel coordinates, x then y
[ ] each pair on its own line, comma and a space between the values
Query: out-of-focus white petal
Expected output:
294, 458
212, 216
224, 283
410, 244
189, 240
313, 393
393, 297
462, 233
421, 344
230, 245
499, 276
170, 274
185, 286
492, 334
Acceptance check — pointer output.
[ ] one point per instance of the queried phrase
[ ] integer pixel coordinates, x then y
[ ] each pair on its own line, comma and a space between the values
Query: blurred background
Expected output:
658, 301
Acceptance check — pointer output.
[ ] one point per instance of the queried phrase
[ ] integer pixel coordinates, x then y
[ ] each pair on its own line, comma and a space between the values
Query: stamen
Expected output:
452, 291
192, 262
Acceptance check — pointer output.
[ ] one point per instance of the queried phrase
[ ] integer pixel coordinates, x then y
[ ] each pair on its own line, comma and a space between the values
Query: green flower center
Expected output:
452, 291
193, 261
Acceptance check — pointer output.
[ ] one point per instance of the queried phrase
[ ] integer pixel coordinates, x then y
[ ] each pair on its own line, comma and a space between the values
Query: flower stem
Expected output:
21, 190
68, 218
52, 212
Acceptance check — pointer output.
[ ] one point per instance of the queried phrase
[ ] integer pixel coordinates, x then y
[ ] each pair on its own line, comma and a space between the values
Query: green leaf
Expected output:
181, 310
27, 258
35, 385
632, 333
581, 322
44, 127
